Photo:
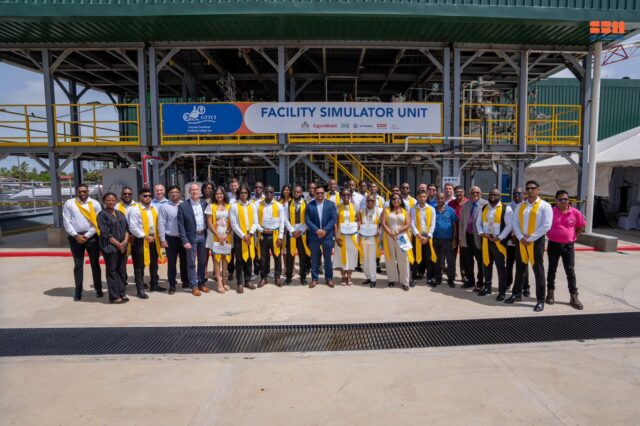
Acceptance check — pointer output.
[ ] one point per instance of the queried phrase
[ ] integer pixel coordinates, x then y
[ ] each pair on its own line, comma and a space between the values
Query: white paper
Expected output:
404, 242
369, 230
349, 228
271, 224
221, 248
300, 227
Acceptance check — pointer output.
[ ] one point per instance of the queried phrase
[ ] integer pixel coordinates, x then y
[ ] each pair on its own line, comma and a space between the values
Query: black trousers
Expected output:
511, 260
555, 251
444, 251
256, 261
231, 265
497, 258
243, 269
116, 265
425, 265
175, 250
468, 254
538, 270
92, 247
304, 260
138, 264
266, 251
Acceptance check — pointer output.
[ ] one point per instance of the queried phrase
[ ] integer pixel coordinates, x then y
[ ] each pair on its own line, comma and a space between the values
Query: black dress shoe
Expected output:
412, 283
359, 269
432, 283
372, 284
500, 297
452, 284
158, 288
142, 295
303, 281
485, 291
378, 269
146, 286
77, 298
287, 281
186, 285
367, 281
539, 307
392, 284
99, 294
514, 298
405, 287
526, 293
467, 285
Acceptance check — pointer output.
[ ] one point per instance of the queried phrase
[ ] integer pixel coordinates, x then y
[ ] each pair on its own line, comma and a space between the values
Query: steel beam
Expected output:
585, 100
155, 101
317, 170
457, 71
593, 135
142, 97
283, 169
445, 68
523, 111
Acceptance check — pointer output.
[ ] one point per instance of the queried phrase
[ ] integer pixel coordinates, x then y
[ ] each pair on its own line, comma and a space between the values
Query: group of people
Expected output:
244, 232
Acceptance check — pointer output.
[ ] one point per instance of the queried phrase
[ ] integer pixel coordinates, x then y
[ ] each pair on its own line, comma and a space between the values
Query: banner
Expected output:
302, 117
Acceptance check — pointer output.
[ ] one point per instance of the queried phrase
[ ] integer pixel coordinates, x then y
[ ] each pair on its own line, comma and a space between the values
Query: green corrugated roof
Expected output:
480, 21
619, 101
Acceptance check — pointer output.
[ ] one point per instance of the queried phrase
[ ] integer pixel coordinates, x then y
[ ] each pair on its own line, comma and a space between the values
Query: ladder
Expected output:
363, 172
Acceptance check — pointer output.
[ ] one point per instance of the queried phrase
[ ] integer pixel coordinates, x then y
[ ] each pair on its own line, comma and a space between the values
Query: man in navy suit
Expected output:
192, 225
321, 217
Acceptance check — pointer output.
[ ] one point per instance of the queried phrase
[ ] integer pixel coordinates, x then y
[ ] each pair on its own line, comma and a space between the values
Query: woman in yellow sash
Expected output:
285, 200
396, 221
345, 256
219, 236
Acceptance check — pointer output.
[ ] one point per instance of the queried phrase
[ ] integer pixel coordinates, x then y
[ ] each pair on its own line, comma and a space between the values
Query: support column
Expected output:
73, 110
446, 104
77, 172
457, 75
282, 161
593, 135
499, 176
49, 99
585, 100
142, 98
523, 111
155, 101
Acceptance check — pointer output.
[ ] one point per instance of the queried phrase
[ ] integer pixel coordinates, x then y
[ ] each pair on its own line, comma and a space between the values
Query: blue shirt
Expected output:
433, 202
444, 223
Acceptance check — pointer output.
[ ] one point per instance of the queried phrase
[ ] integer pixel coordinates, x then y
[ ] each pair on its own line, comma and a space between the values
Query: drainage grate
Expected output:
309, 338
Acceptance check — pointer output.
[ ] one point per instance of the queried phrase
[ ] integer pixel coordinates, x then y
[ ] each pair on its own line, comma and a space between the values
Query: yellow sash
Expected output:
386, 244
247, 248
214, 208
122, 209
497, 218
412, 203
375, 222
526, 252
275, 214
354, 238
428, 218
89, 215
336, 198
292, 221
145, 229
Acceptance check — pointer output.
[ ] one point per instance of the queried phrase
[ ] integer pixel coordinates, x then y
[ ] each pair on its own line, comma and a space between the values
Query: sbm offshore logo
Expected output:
606, 30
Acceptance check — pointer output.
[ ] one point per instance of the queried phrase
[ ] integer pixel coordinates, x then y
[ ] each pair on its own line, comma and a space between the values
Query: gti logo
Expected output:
197, 115
606, 27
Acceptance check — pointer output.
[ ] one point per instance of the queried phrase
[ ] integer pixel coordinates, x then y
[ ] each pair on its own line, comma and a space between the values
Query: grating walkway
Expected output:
310, 338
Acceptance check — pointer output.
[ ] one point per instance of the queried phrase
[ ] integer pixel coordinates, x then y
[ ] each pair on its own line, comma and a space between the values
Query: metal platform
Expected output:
313, 338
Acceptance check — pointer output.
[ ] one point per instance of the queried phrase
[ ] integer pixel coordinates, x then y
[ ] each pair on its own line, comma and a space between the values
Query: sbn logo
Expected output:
606, 27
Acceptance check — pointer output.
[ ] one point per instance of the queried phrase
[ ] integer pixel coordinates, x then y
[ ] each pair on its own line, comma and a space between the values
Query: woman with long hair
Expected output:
114, 234
396, 222
285, 199
219, 237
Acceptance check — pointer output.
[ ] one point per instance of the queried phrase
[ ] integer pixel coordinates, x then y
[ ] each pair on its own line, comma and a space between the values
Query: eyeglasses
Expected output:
474, 192
146, 195
562, 200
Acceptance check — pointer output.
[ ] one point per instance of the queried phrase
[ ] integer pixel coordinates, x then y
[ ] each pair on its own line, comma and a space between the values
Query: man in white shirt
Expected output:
258, 195
159, 198
423, 233
531, 236
233, 188
298, 243
512, 243
80, 219
126, 201
448, 193
311, 189
244, 222
271, 232
359, 197
170, 239
494, 232
408, 201
193, 235
146, 249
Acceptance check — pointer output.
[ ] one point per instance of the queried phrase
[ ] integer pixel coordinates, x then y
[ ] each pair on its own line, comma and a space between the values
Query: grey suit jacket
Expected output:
464, 220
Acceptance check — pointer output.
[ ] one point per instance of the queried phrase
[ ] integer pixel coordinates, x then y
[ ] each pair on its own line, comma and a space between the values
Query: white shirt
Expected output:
514, 208
199, 214
420, 213
168, 220
408, 201
357, 198
335, 197
345, 213
490, 227
267, 213
127, 207
298, 206
232, 199
368, 217
74, 221
135, 221
235, 220
544, 220
319, 205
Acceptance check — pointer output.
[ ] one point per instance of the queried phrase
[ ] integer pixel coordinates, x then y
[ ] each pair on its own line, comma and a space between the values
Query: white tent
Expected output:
621, 150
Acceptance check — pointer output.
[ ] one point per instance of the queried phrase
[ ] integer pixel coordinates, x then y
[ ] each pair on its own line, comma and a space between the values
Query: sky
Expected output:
19, 86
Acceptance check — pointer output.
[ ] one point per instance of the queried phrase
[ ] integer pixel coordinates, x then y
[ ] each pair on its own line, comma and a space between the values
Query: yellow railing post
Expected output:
26, 122
95, 129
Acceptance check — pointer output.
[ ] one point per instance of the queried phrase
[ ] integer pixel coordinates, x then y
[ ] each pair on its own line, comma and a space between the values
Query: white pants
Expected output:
398, 270
352, 255
369, 262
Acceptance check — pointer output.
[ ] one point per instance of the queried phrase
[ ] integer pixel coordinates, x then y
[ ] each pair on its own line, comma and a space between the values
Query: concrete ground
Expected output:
593, 382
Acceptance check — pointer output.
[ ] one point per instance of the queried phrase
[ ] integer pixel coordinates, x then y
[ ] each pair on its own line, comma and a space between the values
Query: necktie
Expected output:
471, 216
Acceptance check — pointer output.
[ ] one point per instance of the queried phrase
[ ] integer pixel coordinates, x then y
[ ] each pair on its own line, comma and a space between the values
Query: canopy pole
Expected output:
593, 134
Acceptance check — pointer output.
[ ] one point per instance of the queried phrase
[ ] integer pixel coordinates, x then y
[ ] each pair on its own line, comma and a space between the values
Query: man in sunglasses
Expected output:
531, 222
568, 224
516, 199
469, 241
